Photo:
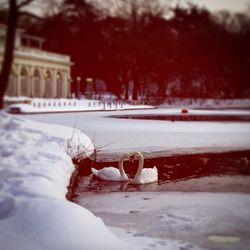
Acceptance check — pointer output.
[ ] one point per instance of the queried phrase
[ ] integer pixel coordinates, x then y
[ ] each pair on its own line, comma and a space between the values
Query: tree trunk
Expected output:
9, 48
135, 87
161, 89
126, 91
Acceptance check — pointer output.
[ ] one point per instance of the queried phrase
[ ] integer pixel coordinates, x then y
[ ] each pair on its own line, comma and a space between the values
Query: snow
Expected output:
34, 174
206, 103
36, 167
174, 220
28, 105
113, 136
40, 105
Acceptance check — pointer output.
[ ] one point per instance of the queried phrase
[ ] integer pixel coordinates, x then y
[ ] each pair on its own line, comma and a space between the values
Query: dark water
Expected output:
205, 172
172, 170
188, 117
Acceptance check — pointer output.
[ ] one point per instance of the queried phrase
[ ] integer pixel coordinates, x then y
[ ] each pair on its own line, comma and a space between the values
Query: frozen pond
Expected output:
182, 116
113, 136
182, 150
170, 220
201, 200
165, 138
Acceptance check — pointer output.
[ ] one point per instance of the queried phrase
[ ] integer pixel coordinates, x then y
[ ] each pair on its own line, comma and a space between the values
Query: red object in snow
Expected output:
184, 111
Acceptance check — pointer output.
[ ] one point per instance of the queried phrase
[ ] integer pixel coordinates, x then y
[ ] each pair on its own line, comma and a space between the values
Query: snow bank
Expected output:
205, 103
41, 105
34, 175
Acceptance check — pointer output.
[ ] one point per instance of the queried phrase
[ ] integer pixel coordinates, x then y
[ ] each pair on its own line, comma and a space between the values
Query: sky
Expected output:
232, 5
213, 5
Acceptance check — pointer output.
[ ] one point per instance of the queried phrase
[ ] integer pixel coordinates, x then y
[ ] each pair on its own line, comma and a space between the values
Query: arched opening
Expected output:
24, 82
59, 85
36, 83
48, 84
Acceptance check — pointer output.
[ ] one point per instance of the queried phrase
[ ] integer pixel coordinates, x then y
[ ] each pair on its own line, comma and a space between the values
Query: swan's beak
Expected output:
132, 158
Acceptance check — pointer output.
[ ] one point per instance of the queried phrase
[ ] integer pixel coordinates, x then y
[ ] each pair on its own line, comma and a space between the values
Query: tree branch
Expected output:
32, 15
24, 3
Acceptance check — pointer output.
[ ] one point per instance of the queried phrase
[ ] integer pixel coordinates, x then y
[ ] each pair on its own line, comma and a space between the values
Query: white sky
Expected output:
38, 6
215, 5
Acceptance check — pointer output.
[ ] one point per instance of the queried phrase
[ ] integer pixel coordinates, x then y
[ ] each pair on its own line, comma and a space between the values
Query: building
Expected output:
35, 72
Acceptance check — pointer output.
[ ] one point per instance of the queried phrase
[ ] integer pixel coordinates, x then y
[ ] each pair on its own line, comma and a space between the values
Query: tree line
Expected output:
159, 50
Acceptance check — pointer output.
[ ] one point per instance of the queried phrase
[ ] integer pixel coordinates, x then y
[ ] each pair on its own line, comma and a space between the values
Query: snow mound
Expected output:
34, 174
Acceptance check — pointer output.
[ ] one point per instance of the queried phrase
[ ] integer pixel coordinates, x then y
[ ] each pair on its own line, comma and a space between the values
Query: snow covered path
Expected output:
114, 136
170, 220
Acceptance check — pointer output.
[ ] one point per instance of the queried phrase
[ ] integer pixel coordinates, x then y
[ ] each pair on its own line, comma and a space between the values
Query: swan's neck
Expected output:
140, 167
121, 169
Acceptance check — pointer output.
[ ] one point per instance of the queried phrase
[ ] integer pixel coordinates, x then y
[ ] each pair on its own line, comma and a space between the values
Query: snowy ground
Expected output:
41, 105
206, 103
113, 136
35, 172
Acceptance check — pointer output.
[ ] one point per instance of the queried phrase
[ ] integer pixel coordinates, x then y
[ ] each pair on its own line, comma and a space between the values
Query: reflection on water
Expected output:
174, 171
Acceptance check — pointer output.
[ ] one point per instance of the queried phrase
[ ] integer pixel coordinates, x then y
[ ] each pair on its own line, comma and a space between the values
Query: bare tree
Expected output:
13, 15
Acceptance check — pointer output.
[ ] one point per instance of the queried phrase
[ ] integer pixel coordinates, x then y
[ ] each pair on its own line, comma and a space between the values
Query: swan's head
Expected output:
136, 156
125, 157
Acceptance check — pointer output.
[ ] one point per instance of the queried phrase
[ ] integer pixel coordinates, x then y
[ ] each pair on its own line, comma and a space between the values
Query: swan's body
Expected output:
144, 175
112, 173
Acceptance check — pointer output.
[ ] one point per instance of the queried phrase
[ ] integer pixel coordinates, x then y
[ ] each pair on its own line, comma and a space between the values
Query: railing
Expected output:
79, 105
42, 54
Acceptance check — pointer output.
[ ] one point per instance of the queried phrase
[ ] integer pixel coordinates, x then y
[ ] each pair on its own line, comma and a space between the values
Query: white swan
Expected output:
146, 175
112, 173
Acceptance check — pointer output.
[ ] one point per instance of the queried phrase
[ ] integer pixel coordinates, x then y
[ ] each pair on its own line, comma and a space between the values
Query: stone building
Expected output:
35, 72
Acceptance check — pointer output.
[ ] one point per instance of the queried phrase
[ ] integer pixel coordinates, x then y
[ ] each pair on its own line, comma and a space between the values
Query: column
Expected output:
65, 84
18, 80
53, 83
29, 82
42, 82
